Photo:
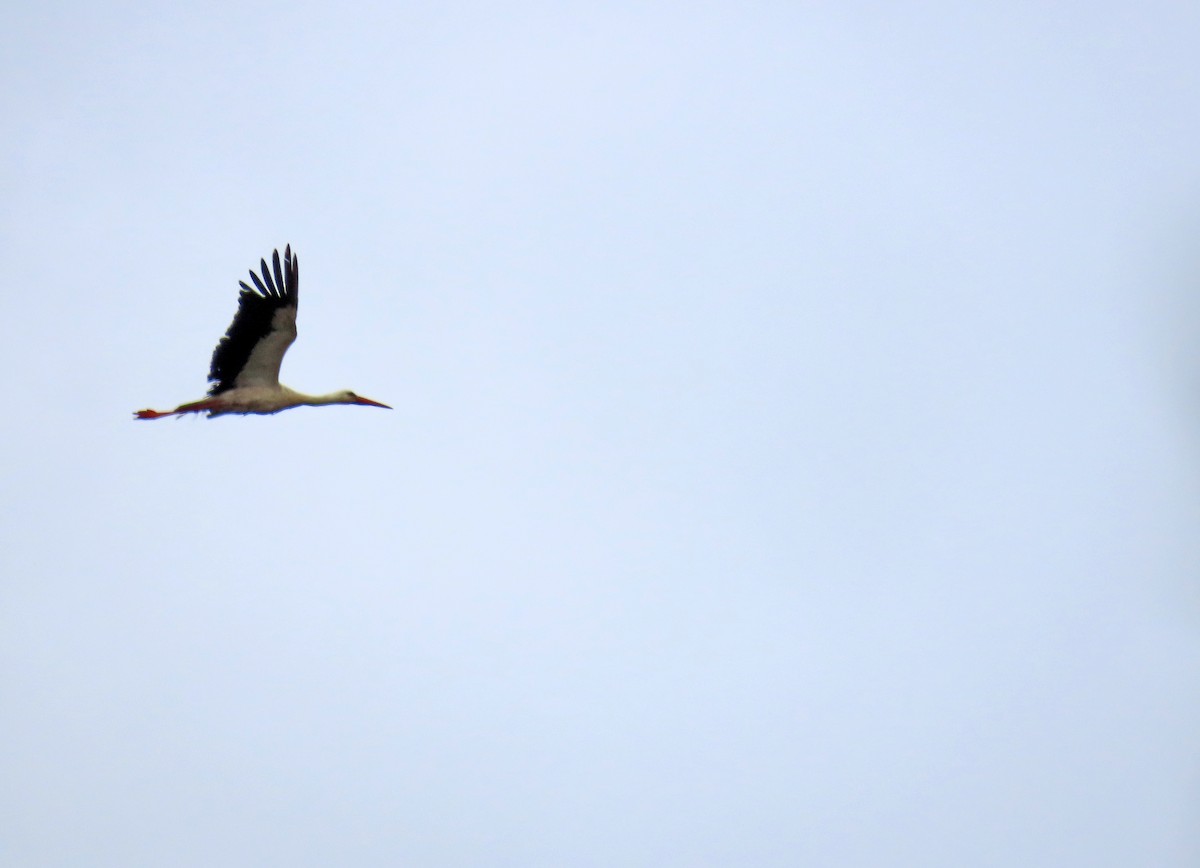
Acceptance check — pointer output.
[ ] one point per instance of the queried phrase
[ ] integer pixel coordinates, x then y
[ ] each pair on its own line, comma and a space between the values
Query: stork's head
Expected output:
348, 397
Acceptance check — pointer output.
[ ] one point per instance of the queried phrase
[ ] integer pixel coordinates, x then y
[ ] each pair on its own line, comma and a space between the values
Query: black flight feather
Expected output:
266, 273
259, 283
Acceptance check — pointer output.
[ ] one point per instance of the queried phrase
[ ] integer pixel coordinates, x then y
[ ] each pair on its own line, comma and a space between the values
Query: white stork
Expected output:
245, 365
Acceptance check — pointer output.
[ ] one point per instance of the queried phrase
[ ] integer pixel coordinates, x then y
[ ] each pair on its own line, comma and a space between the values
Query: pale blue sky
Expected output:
794, 460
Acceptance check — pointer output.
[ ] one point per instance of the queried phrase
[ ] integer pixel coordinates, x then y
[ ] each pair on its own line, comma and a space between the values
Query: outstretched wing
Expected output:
262, 329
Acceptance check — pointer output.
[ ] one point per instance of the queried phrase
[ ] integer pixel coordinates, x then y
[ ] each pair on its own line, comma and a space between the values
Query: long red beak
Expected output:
368, 402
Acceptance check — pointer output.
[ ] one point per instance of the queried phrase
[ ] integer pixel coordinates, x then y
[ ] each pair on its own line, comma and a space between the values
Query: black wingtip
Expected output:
291, 272
279, 279
266, 273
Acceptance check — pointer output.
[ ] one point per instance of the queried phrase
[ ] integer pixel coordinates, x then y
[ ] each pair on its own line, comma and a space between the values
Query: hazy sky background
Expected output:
795, 453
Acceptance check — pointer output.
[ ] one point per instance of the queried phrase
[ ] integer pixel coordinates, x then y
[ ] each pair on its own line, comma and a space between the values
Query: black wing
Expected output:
262, 329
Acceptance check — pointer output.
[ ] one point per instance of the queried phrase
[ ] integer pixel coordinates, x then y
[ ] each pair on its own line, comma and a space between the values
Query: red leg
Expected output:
194, 407
198, 406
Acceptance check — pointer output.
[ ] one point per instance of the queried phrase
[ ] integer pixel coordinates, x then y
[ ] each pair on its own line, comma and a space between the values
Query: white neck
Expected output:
304, 400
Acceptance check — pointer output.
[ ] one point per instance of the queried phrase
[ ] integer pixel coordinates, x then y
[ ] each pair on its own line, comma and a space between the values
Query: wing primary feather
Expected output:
295, 276
262, 289
266, 272
280, 286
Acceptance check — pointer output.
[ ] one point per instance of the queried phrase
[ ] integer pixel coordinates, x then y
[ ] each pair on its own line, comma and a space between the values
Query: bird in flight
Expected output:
245, 365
